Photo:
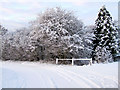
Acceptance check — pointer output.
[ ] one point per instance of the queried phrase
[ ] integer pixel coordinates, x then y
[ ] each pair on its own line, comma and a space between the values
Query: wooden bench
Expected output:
73, 59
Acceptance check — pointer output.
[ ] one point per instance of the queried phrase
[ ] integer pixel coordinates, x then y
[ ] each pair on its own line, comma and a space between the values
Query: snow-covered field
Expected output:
36, 75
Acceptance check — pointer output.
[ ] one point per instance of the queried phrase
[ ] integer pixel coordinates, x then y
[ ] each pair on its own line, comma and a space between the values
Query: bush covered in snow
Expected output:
16, 45
3, 31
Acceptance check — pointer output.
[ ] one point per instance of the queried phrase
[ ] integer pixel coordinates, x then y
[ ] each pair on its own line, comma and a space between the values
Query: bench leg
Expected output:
72, 62
56, 61
90, 62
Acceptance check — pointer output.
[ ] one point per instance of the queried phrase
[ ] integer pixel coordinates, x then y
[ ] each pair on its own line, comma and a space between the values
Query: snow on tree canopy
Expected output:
57, 30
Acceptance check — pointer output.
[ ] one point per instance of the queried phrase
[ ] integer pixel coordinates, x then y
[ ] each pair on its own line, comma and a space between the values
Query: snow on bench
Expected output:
73, 59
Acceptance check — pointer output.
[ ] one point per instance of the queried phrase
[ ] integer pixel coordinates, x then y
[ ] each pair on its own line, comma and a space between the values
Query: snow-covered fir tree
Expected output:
105, 35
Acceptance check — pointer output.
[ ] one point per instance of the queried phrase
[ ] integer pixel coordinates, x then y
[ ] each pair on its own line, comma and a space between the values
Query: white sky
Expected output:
15, 14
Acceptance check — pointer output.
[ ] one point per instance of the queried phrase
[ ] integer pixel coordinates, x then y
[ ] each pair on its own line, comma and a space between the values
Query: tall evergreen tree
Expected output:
105, 35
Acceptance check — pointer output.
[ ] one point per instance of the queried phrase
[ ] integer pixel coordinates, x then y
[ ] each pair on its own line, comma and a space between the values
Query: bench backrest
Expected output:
73, 59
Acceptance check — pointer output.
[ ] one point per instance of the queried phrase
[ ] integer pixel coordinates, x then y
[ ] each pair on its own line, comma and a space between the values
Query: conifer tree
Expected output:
105, 34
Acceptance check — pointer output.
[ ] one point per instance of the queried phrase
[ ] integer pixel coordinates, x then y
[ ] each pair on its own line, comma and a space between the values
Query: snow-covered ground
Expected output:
36, 75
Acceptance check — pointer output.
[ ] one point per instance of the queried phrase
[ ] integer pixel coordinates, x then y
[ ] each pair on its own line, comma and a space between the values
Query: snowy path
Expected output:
36, 75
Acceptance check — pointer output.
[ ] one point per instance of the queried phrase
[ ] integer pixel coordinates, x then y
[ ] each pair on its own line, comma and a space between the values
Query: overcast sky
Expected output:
15, 14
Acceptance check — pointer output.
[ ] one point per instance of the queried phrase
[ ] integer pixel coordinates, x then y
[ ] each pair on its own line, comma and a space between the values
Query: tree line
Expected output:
58, 33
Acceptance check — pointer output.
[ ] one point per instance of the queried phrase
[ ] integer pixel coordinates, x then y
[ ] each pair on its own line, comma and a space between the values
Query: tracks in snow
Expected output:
34, 76
78, 80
